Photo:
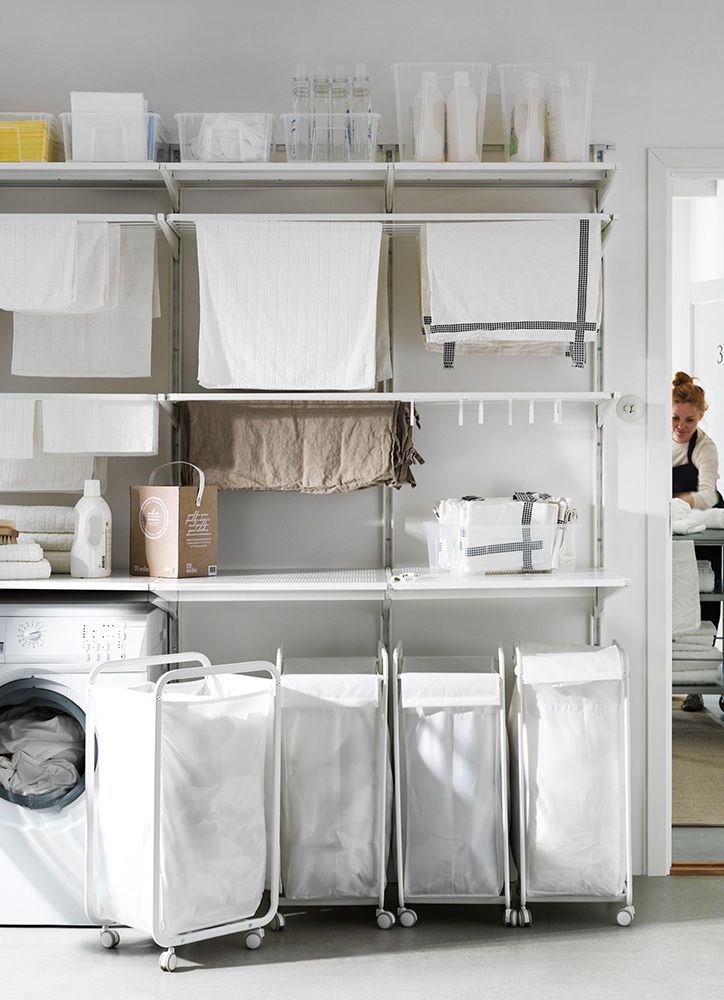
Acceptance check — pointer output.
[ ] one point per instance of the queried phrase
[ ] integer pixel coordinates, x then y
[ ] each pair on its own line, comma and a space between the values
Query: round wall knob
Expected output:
630, 408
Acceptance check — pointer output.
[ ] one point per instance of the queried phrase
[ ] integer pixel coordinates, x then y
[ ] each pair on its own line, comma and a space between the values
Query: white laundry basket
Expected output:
336, 781
451, 787
571, 786
177, 822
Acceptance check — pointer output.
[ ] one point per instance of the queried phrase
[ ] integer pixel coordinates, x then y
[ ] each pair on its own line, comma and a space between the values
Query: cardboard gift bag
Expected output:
173, 528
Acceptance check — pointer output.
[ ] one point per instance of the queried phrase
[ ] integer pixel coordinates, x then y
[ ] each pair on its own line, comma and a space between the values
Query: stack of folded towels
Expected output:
45, 537
695, 657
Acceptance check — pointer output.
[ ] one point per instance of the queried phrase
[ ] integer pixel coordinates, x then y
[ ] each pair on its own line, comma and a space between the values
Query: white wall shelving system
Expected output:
386, 583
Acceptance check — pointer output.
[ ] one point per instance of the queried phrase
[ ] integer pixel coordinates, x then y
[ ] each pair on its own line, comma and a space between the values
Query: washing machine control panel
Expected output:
50, 639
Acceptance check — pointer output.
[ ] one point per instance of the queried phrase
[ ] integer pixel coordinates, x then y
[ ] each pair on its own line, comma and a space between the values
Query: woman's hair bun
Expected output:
681, 378
685, 391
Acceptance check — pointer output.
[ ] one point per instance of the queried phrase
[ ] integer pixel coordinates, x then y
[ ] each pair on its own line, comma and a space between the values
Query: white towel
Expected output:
707, 580
686, 520
696, 654
686, 612
703, 636
39, 519
100, 426
17, 427
39, 570
699, 677
51, 473
54, 541
113, 343
511, 281
22, 552
59, 561
509, 348
37, 263
288, 305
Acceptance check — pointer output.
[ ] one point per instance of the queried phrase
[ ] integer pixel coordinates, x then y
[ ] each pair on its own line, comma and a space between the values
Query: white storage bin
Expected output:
28, 137
440, 110
113, 137
546, 110
331, 138
221, 137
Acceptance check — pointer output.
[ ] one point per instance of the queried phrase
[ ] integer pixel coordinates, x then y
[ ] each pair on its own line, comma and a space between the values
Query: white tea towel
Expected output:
512, 281
59, 561
22, 552
697, 654
509, 348
54, 541
707, 580
710, 676
113, 343
686, 520
37, 262
681, 649
383, 359
100, 426
686, 613
288, 305
51, 473
703, 636
714, 517
17, 428
37, 570
39, 519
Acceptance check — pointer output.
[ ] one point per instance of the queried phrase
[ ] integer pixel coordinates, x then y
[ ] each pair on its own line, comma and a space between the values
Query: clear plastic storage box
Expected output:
546, 111
539, 549
28, 137
440, 110
225, 137
331, 138
114, 137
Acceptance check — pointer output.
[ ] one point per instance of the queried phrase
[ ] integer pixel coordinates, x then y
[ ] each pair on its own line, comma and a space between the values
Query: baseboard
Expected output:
697, 868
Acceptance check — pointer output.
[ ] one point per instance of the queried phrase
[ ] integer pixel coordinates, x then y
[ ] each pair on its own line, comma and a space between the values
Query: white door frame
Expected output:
664, 166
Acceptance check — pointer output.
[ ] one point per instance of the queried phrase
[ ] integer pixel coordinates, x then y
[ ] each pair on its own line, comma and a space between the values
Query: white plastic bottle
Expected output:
461, 121
526, 141
428, 121
90, 554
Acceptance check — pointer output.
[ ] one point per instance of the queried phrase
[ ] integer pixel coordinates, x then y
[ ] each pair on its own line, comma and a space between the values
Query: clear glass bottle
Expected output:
322, 106
301, 94
361, 137
361, 90
340, 134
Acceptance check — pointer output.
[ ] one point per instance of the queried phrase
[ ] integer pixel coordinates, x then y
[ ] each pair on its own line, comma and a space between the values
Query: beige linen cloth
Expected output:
305, 447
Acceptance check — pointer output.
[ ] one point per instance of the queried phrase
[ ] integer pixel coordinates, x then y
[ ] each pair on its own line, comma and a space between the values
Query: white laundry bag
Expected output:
331, 786
452, 803
213, 841
574, 759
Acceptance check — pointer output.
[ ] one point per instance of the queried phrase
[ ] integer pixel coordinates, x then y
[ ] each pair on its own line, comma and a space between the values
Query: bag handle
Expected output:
202, 477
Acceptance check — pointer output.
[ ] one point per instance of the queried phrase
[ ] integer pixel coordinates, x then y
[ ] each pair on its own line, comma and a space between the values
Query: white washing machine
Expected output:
46, 653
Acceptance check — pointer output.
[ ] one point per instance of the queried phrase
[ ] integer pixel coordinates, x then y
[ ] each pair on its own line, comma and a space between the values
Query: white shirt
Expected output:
706, 460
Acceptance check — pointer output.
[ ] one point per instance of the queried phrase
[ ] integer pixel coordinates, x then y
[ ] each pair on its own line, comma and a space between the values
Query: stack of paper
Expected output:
109, 128
26, 140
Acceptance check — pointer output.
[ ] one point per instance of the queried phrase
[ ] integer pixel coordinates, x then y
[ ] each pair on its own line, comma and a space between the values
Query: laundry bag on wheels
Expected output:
336, 786
211, 813
571, 789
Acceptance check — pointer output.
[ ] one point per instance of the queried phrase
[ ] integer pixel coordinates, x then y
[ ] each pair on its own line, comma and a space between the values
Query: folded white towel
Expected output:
512, 281
39, 519
703, 636
37, 262
686, 520
288, 305
17, 428
59, 561
39, 570
51, 473
699, 676
696, 654
76, 426
22, 552
707, 580
113, 343
52, 541
231, 138
714, 517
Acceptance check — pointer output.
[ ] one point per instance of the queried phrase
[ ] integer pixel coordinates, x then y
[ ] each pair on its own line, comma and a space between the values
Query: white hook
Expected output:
531, 412
460, 412
557, 411
481, 412
510, 413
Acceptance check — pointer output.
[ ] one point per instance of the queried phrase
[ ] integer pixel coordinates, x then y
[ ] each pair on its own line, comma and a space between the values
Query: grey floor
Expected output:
701, 843
671, 951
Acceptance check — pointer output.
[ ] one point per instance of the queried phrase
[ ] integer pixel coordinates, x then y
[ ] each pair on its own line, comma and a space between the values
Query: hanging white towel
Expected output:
38, 569
53, 541
51, 473
113, 343
37, 262
21, 552
59, 561
76, 426
512, 281
39, 519
288, 305
17, 428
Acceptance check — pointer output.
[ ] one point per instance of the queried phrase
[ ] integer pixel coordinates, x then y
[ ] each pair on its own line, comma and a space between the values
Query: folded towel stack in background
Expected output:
49, 530
23, 561
695, 657
707, 579
305, 447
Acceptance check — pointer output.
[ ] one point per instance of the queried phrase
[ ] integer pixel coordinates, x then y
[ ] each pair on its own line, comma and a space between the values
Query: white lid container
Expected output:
331, 138
114, 137
546, 109
417, 109
225, 137
28, 137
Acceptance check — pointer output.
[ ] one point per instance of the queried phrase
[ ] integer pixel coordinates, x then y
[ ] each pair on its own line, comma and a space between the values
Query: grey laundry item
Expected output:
41, 750
304, 447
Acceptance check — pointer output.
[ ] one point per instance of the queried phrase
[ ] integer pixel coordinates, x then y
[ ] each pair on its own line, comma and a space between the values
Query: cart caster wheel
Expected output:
167, 960
513, 918
721, 702
407, 918
510, 917
277, 923
253, 940
525, 917
110, 938
385, 920
624, 917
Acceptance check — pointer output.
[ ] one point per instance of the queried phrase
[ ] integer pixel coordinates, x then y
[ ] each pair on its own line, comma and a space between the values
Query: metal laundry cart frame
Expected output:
253, 926
625, 915
407, 916
385, 919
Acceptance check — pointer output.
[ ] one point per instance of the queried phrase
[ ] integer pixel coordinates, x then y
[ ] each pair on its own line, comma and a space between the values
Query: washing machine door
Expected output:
42, 817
